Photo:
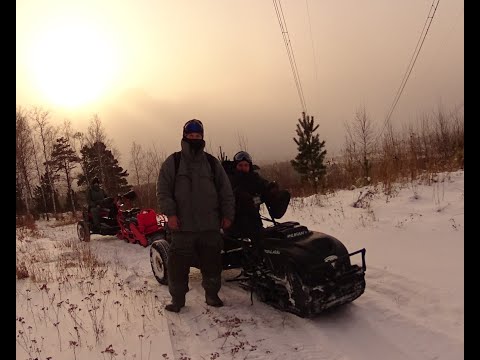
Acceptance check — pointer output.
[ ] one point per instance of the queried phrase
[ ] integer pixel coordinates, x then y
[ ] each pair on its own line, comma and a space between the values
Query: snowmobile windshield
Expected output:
277, 204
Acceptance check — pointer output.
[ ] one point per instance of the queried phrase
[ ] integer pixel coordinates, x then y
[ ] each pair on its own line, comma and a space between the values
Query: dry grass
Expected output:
30, 232
63, 219
21, 270
78, 303
40, 262
26, 221
416, 152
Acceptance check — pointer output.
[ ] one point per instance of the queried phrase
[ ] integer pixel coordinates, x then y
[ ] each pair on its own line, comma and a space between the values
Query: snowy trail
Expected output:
412, 308
397, 316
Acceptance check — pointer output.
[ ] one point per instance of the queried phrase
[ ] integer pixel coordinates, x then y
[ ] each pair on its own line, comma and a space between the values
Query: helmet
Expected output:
193, 126
242, 156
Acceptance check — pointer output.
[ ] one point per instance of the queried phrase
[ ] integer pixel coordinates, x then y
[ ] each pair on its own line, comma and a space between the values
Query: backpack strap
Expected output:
211, 160
178, 155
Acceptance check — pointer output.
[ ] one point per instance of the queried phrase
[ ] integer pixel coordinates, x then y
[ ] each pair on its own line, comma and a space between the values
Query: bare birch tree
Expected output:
137, 163
242, 142
46, 132
69, 134
361, 140
95, 137
24, 156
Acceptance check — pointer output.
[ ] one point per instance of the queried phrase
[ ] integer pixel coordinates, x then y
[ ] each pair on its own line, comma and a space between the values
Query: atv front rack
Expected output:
363, 251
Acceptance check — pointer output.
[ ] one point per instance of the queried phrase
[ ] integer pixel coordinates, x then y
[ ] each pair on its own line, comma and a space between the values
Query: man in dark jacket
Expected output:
250, 190
198, 201
95, 197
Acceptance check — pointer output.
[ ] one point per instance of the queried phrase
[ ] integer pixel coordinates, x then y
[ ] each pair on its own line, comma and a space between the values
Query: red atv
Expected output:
118, 217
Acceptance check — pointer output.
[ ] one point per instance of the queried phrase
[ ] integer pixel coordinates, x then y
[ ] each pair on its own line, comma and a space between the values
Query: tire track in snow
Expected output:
395, 316
417, 301
366, 330
200, 331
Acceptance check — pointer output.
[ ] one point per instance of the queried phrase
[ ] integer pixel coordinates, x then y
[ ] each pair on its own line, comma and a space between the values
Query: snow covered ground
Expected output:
100, 300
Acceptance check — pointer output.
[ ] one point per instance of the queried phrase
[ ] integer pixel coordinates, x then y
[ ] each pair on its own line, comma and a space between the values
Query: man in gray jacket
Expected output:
198, 201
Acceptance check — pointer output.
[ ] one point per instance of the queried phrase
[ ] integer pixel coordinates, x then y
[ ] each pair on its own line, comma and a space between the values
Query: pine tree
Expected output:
64, 159
310, 157
100, 162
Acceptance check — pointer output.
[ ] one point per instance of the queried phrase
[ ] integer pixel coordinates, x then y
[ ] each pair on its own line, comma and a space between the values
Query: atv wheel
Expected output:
155, 237
159, 260
83, 231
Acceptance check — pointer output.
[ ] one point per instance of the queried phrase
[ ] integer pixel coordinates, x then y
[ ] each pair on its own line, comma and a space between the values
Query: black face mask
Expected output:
243, 176
196, 144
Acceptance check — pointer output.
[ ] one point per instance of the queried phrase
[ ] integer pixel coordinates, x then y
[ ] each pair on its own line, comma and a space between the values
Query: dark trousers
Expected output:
207, 245
249, 227
95, 211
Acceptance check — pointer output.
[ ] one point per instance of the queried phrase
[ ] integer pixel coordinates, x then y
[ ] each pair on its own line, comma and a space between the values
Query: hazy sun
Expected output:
73, 63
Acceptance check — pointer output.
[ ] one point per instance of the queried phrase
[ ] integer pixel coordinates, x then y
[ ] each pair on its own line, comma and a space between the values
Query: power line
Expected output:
311, 38
291, 56
413, 60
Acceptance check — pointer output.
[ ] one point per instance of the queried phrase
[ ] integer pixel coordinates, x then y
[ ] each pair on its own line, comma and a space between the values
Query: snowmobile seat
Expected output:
286, 232
322, 243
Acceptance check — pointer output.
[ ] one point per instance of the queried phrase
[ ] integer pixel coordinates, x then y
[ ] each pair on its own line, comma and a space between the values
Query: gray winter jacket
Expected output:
200, 200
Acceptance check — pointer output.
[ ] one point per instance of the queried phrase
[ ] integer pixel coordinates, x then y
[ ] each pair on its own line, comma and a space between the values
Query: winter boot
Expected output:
213, 300
175, 305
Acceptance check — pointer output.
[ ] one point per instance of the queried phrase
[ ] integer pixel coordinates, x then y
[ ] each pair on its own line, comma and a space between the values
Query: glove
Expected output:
244, 200
226, 223
173, 222
272, 187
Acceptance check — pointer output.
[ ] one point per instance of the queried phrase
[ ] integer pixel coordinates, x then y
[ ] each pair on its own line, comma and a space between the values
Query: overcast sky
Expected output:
147, 66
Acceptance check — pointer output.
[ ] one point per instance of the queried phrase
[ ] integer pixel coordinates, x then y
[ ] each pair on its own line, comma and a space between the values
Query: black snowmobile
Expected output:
301, 271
